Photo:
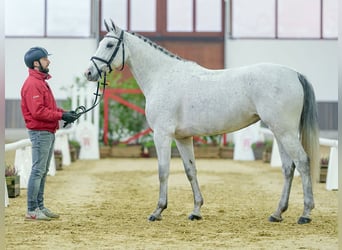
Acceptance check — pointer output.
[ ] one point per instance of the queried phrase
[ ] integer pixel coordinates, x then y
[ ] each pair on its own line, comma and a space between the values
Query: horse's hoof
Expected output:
154, 218
195, 217
304, 220
274, 219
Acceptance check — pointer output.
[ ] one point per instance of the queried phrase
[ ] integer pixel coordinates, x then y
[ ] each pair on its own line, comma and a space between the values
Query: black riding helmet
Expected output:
34, 54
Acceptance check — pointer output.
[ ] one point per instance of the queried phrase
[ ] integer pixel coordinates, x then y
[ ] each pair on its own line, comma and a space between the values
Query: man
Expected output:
41, 116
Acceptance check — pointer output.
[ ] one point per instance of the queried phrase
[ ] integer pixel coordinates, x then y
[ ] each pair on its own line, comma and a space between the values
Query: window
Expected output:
208, 16
21, 19
299, 18
41, 18
330, 18
252, 18
179, 15
314, 19
68, 18
167, 17
117, 10
143, 15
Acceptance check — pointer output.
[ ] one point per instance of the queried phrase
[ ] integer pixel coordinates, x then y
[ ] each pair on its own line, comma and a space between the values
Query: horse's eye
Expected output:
110, 45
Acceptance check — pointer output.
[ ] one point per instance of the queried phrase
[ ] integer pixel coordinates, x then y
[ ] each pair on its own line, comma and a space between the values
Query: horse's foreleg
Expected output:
185, 147
163, 147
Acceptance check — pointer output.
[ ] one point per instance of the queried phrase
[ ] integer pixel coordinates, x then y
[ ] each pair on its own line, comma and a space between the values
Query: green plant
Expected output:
268, 146
123, 121
205, 140
229, 144
74, 143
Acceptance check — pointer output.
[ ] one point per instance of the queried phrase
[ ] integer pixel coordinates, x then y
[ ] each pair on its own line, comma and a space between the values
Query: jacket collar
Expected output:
39, 75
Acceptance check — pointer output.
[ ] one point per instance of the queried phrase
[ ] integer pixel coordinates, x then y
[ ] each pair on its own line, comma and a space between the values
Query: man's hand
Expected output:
70, 116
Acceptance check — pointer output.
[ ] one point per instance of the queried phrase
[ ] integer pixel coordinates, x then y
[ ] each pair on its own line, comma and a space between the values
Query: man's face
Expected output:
45, 62
42, 65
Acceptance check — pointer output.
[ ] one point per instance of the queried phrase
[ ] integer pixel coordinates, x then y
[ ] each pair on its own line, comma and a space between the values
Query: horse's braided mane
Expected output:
156, 46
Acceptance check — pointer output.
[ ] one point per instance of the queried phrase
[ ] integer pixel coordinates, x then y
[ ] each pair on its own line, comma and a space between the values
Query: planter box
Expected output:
129, 151
152, 152
73, 154
105, 151
13, 186
266, 157
323, 173
59, 162
226, 153
207, 151
258, 152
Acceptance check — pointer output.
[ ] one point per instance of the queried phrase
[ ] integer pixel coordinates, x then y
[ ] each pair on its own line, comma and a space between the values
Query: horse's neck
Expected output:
146, 62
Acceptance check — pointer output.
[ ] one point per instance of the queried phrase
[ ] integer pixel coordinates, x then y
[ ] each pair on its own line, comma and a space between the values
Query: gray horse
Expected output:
184, 100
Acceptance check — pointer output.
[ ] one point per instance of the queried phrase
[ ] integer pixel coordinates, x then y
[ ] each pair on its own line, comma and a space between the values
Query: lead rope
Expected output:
80, 110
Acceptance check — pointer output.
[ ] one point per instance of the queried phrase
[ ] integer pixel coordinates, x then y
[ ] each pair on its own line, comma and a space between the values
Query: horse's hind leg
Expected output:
185, 147
288, 171
293, 148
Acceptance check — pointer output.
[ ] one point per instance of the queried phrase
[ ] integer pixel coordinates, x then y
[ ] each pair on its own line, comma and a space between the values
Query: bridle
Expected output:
115, 52
80, 110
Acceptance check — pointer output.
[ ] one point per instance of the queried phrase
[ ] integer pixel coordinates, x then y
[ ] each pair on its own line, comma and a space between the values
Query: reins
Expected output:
80, 110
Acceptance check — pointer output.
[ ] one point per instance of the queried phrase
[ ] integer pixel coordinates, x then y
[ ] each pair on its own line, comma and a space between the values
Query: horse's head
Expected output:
110, 53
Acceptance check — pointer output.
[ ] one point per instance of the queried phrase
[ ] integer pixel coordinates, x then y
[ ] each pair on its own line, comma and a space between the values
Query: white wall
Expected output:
316, 59
70, 58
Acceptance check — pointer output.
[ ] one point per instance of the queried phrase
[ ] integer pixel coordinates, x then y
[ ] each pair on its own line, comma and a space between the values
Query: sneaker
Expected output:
49, 214
36, 215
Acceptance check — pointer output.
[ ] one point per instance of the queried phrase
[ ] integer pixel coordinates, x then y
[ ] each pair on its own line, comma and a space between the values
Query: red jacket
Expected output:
38, 104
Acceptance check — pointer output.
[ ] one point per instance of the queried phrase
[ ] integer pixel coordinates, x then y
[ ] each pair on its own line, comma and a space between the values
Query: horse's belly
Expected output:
205, 123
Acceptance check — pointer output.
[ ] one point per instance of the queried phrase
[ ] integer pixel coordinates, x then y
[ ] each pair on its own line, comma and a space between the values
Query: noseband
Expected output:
115, 52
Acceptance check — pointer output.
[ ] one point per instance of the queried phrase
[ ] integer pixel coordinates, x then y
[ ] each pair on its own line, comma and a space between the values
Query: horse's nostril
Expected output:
89, 73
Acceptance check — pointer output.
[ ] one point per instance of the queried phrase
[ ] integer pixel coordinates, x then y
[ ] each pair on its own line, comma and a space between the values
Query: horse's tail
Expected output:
308, 127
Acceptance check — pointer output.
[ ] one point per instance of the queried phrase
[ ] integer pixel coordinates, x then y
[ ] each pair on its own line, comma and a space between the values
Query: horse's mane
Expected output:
156, 46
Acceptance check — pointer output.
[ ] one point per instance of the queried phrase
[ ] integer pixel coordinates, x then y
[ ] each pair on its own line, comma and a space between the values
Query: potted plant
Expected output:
266, 155
74, 147
12, 181
258, 148
227, 150
149, 149
207, 146
324, 162
58, 159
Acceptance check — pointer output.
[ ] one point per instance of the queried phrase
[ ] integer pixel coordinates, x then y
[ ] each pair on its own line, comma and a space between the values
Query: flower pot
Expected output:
105, 151
323, 173
73, 154
127, 151
13, 185
207, 151
258, 151
266, 156
59, 161
226, 152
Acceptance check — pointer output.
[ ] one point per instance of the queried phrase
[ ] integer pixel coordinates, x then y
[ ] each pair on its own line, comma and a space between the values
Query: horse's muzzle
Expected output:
91, 75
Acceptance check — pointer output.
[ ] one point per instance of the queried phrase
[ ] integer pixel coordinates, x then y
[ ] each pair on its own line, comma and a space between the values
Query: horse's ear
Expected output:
113, 25
107, 27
